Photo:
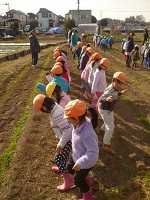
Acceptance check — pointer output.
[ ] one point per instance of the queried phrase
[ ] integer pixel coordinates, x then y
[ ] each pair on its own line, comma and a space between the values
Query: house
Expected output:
16, 19
46, 19
80, 17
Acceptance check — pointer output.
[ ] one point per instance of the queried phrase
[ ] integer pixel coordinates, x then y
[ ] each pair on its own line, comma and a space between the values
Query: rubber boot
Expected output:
89, 181
56, 169
68, 182
87, 196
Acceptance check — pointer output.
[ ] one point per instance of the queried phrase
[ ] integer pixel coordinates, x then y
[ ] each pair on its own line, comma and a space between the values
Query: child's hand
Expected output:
124, 91
58, 149
76, 168
109, 99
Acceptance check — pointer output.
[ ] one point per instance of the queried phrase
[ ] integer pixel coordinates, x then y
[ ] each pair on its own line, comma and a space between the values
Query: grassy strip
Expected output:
6, 156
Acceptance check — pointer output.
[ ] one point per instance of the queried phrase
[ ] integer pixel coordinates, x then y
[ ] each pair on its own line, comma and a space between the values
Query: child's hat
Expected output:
105, 62
58, 63
57, 49
120, 76
96, 56
56, 54
75, 108
50, 88
38, 101
57, 69
60, 59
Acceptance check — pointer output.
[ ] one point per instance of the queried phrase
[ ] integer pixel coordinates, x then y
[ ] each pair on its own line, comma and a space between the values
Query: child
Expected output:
64, 62
64, 74
105, 109
57, 78
85, 150
99, 82
142, 50
63, 131
54, 90
88, 72
78, 50
147, 57
111, 42
135, 57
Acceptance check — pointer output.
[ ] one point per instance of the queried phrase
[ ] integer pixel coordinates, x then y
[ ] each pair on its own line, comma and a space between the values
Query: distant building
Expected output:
47, 19
16, 19
80, 17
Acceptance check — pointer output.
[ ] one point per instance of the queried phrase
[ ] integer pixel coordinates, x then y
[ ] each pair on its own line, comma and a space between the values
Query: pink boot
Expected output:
68, 182
87, 196
56, 170
89, 181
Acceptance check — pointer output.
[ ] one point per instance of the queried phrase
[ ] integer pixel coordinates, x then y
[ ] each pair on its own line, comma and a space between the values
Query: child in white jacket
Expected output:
99, 83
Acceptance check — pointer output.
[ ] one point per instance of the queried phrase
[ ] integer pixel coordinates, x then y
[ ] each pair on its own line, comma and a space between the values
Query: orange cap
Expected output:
79, 44
57, 69
105, 62
120, 76
38, 101
75, 108
58, 63
90, 50
60, 58
96, 56
56, 54
57, 49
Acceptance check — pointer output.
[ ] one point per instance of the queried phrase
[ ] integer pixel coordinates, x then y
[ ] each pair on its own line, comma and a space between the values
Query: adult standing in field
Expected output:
128, 48
74, 40
34, 47
146, 36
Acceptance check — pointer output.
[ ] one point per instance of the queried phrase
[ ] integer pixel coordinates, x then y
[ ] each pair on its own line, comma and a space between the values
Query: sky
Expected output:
114, 9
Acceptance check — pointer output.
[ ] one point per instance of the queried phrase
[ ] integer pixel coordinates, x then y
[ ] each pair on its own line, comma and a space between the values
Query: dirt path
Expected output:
29, 176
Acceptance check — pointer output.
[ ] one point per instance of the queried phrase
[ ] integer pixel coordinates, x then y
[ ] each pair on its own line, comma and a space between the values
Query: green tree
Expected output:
93, 19
69, 24
103, 22
33, 23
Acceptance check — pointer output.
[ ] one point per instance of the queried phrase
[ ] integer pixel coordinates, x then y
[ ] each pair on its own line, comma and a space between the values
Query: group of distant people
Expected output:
132, 52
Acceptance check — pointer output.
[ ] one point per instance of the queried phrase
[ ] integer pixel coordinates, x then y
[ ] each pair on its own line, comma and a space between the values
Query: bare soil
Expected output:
29, 175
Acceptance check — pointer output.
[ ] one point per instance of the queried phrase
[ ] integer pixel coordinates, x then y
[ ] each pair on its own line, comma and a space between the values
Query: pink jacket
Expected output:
85, 73
64, 100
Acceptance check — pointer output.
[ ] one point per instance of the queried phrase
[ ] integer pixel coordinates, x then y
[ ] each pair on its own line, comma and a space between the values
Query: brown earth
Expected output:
29, 175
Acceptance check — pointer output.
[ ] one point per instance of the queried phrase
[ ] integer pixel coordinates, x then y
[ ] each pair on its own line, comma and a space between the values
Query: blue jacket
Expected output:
65, 86
83, 61
111, 41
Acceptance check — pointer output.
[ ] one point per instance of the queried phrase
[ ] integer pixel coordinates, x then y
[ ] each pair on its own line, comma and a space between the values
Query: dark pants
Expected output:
79, 176
62, 158
128, 60
34, 58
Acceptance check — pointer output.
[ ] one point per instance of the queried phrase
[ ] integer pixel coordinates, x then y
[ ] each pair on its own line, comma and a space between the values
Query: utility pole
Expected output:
78, 15
7, 4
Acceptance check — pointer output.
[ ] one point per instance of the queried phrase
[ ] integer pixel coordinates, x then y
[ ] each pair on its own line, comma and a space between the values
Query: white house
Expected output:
80, 17
46, 19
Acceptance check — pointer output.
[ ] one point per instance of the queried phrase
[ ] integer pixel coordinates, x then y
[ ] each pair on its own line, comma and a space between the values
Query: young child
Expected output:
57, 78
54, 91
147, 57
111, 42
106, 106
135, 56
85, 150
99, 82
63, 131
65, 73
65, 63
87, 73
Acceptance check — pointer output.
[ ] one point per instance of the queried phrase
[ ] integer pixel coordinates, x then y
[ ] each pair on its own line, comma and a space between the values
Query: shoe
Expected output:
108, 149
